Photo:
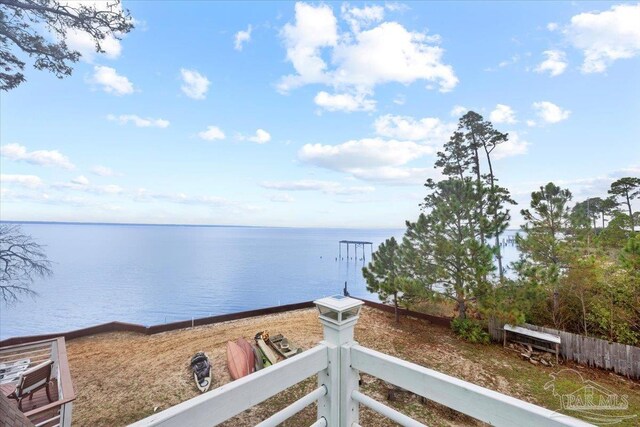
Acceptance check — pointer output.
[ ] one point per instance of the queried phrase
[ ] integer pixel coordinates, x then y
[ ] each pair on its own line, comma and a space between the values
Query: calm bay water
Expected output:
157, 274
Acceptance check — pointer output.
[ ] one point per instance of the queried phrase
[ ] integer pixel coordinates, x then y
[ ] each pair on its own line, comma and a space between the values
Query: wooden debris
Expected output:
535, 357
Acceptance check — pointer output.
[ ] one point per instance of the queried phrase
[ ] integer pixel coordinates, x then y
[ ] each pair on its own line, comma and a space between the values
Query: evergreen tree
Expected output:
541, 248
627, 188
461, 158
608, 207
582, 217
460, 262
593, 209
384, 273
616, 233
417, 255
630, 257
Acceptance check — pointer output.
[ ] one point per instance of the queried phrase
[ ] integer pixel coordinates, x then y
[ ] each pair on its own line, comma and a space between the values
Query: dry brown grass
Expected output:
123, 377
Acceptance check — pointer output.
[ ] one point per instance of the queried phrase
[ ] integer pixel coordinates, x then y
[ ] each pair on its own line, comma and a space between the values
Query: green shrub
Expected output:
470, 330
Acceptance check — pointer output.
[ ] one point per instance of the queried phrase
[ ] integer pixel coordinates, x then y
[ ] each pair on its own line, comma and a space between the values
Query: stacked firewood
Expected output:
534, 357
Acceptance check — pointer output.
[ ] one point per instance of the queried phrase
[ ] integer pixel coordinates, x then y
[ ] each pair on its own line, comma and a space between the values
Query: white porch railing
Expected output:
337, 361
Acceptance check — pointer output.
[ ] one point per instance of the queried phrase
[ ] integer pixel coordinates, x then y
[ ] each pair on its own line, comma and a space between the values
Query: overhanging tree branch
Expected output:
20, 21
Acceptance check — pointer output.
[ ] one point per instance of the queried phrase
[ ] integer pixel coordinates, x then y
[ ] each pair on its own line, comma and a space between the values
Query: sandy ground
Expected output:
123, 377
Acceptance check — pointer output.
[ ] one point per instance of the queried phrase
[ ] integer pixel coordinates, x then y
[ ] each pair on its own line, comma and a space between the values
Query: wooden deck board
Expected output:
39, 397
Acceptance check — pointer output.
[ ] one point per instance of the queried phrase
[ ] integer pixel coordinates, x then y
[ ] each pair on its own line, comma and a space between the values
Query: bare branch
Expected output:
21, 261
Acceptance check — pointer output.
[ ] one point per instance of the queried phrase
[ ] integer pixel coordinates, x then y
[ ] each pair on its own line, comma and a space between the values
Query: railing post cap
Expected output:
339, 309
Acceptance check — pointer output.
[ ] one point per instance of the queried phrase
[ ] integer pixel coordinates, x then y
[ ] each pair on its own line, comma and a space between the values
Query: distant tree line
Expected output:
579, 265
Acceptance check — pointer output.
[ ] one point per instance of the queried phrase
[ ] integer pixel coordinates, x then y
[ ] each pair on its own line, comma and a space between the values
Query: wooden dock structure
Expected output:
356, 244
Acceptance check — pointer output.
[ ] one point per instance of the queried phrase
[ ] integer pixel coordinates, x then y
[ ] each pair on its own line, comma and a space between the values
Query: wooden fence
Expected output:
594, 352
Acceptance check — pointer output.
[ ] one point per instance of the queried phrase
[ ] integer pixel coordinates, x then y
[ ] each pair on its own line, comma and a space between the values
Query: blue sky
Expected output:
320, 114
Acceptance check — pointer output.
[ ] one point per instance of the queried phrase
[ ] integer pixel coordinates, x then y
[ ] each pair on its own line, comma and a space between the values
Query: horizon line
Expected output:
146, 224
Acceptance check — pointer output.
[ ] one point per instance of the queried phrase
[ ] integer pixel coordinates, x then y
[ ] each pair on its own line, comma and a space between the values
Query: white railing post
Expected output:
339, 316
66, 412
329, 404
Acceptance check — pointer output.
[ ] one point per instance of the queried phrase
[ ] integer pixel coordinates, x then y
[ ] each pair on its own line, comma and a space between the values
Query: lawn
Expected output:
123, 377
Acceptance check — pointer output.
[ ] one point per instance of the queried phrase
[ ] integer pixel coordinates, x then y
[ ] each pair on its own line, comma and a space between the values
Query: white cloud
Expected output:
360, 58
555, 63
138, 121
103, 171
241, 38
143, 195
505, 63
400, 99
605, 37
550, 112
503, 114
596, 186
48, 198
459, 111
81, 183
328, 187
515, 146
552, 26
315, 28
111, 81
391, 175
82, 42
390, 53
282, 198
401, 140
39, 157
429, 130
212, 133
361, 17
195, 85
80, 180
362, 154
344, 102
513, 60
531, 123
29, 181
109, 189
261, 137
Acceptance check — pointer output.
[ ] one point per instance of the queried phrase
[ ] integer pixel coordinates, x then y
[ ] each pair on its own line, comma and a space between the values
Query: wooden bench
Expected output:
534, 335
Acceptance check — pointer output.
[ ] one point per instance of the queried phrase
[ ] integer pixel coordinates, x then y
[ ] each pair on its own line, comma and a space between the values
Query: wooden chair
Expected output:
32, 380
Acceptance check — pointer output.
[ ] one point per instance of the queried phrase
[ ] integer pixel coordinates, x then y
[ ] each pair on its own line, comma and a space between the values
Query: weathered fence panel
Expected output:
595, 352
495, 329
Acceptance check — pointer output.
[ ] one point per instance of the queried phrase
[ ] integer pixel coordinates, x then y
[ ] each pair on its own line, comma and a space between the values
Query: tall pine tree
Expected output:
628, 188
460, 263
543, 246
462, 157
